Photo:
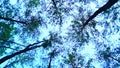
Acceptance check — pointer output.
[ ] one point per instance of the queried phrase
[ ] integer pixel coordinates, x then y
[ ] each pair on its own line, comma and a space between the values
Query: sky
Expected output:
13, 2
89, 48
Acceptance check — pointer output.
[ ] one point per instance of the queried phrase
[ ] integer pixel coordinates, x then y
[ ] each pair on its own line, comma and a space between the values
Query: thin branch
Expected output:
115, 59
8, 47
12, 63
56, 9
54, 4
9, 19
31, 45
12, 42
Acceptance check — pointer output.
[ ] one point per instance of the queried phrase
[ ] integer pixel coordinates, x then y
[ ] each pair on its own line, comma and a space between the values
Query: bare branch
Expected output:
8, 47
103, 8
115, 59
13, 42
20, 52
31, 45
17, 53
9, 19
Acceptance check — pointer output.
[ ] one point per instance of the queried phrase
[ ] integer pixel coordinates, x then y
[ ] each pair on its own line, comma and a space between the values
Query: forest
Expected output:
59, 34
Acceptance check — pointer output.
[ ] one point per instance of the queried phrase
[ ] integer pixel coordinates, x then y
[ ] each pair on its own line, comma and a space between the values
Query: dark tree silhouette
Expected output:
17, 53
9, 19
103, 8
52, 54
28, 48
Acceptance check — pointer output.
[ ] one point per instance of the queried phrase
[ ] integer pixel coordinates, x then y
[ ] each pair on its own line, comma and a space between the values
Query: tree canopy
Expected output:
59, 34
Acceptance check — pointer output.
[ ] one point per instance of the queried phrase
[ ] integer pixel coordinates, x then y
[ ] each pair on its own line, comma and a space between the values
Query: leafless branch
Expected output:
9, 19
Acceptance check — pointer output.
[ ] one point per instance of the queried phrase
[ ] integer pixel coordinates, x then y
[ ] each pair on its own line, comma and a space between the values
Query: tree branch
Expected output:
115, 59
52, 54
103, 8
56, 9
12, 42
8, 47
54, 4
19, 52
12, 63
9, 19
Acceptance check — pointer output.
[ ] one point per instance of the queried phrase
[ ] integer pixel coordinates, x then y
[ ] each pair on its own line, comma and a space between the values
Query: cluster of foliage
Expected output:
39, 33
